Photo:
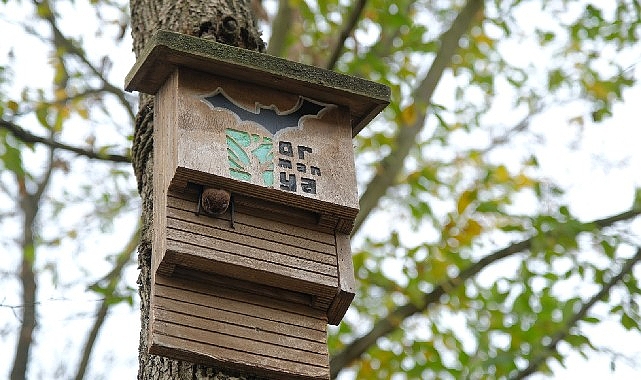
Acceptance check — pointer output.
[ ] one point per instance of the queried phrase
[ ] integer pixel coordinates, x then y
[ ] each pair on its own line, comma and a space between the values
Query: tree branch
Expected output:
348, 27
42, 185
28, 283
388, 324
112, 279
64, 44
29, 205
90, 92
391, 165
27, 137
585, 308
280, 28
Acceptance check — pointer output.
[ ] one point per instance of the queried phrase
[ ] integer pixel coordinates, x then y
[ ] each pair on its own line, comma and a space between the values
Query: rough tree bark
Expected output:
226, 21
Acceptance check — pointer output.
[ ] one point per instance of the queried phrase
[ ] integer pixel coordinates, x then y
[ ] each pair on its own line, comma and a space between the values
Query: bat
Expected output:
269, 117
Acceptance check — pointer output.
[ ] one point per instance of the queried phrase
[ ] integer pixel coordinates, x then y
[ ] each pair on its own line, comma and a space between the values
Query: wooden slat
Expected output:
237, 329
252, 236
197, 352
296, 336
244, 269
217, 281
179, 232
288, 346
228, 340
293, 225
335, 304
235, 300
320, 302
228, 241
164, 148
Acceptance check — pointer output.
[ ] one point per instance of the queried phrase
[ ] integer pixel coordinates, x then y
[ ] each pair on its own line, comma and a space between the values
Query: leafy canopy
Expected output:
472, 261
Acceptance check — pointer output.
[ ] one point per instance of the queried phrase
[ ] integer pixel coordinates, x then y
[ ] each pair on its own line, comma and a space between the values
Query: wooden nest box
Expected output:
254, 200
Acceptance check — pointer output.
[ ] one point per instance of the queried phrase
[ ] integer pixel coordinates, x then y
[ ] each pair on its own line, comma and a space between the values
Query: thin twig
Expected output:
28, 137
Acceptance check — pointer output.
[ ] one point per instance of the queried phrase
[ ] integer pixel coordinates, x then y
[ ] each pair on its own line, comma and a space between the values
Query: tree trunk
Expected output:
226, 21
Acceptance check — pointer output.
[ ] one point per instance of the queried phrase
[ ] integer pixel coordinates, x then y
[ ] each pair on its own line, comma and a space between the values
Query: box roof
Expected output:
167, 51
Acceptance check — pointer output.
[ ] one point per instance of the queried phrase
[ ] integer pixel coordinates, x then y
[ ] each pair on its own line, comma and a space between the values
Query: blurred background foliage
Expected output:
475, 257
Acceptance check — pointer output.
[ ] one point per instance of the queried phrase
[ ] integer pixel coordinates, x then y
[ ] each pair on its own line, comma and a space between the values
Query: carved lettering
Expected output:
285, 148
301, 151
283, 163
287, 182
308, 185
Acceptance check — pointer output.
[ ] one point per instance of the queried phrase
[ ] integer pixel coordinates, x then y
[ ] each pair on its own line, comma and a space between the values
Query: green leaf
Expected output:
628, 322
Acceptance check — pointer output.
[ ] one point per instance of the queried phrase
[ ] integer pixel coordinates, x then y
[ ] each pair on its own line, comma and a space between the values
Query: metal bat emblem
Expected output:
268, 116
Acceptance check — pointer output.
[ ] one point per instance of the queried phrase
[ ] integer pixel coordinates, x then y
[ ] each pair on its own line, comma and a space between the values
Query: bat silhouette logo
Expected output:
268, 117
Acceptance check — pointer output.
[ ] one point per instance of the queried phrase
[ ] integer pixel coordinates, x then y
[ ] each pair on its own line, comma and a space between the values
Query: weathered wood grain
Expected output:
225, 296
241, 334
252, 234
252, 291
252, 211
198, 352
238, 329
248, 246
164, 163
347, 284
249, 269
259, 290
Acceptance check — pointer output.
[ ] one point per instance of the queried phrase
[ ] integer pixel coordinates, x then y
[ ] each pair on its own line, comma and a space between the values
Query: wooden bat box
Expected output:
252, 287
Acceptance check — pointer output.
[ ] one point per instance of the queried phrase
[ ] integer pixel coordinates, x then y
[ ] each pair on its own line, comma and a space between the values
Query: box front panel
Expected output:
266, 137
237, 329
256, 248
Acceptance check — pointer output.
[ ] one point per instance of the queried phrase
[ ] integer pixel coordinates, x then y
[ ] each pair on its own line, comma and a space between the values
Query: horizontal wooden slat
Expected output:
198, 352
321, 302
238, 301
251, 236
244, 269
242, 344
294, 336
187, 200
241, 327
217, 280
237, 329
217, 249
246, 225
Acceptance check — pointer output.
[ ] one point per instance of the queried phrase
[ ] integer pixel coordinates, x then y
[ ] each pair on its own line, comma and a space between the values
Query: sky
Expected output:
599, 176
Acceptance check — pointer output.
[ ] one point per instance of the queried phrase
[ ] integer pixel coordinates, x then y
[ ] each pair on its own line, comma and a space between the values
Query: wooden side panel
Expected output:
238, 329
255, 249
347, 283
164, 162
